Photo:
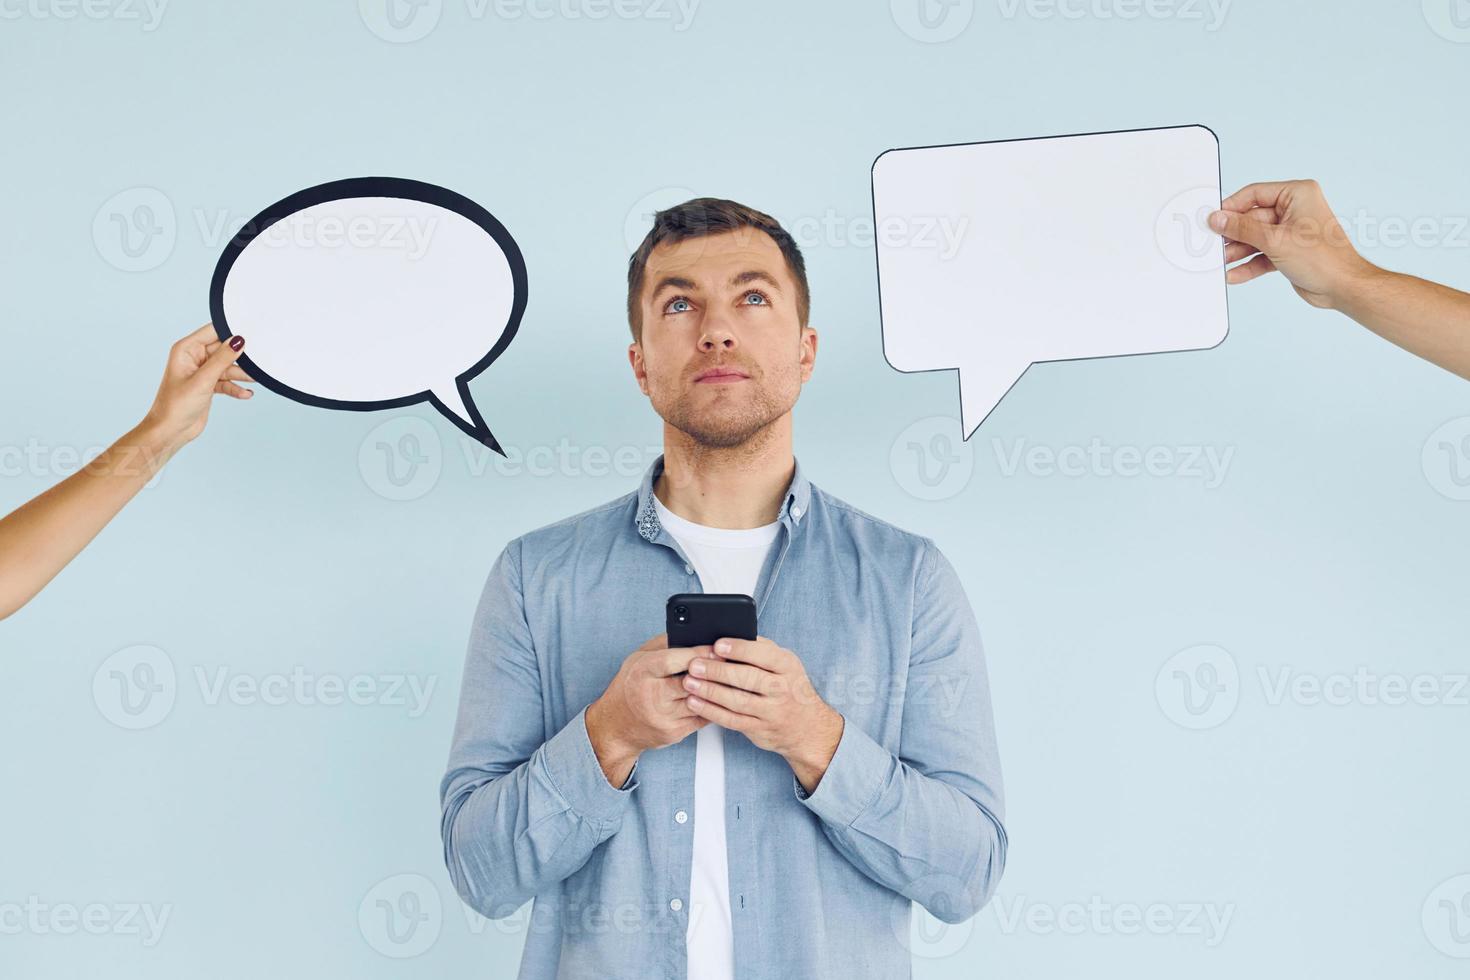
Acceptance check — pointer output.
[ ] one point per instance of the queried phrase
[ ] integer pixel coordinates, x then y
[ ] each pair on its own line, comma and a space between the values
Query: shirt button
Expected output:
796, 513
676, 905
688, 569
681, 817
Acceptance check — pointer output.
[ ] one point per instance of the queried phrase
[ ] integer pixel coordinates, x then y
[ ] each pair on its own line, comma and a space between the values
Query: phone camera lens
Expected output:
681, 612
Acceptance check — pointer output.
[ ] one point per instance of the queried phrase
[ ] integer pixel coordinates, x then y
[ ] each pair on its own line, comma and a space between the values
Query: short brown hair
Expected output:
711, 216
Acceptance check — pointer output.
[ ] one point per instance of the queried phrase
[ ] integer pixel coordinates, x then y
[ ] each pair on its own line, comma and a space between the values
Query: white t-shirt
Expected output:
727, 560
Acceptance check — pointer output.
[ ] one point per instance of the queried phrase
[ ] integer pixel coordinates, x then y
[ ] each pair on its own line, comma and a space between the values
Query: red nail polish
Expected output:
236, 342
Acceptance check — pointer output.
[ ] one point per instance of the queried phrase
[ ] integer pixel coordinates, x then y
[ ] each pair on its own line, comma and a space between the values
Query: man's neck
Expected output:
732, 487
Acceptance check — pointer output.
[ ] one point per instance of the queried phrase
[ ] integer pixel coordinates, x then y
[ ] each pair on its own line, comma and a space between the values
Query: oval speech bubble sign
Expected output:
372, 293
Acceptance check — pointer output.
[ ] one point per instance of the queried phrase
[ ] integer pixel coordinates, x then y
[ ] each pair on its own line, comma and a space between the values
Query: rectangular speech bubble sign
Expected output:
1059, 248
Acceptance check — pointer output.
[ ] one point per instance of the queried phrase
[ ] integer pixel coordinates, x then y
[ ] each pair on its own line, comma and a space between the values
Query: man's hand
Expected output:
761, 690
643, 708
1287, 226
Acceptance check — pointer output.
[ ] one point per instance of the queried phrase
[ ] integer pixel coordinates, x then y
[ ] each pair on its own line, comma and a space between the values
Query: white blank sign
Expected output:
1056, 248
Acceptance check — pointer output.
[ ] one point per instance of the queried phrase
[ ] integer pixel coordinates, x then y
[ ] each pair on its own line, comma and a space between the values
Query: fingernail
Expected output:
691, 683
693, 701
722, 647
236, 342
1217, 221
696, 667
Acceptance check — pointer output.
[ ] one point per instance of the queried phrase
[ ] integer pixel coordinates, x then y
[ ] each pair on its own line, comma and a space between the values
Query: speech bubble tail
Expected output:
982, 388
455, 404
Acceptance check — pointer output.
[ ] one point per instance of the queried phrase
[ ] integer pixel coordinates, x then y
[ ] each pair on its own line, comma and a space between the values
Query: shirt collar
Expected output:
793, 505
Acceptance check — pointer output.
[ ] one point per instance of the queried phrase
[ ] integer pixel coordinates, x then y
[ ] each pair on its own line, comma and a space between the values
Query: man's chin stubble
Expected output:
725, 433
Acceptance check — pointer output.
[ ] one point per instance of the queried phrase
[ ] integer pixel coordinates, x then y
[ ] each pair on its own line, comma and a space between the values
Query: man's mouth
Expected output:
720, 376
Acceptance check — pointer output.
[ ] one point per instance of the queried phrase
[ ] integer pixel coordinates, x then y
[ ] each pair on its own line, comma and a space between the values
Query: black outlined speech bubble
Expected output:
1060, 248
373, 293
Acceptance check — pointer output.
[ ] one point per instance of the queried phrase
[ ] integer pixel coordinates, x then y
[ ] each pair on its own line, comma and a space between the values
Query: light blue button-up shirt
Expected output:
909, 809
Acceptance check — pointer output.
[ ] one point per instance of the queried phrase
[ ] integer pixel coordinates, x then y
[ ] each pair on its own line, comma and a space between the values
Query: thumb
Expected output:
1242, 228
214, 368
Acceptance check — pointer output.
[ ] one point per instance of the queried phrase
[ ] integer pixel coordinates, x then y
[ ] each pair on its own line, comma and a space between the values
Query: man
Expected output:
1288, 226
845, 762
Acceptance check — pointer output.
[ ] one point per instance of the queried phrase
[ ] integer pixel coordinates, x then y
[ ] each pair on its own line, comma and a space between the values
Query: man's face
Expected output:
722, 352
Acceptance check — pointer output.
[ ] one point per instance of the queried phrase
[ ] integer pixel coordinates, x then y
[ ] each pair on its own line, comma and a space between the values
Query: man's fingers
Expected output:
670, 689
742, 702
1266, 216
762, 652
1261, 195
1258, 266
1235, 251
720, 716
741, 675
1243, 228
676, 659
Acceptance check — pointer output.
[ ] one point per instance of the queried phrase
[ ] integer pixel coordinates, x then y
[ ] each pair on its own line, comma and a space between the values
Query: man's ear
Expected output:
635, 358
808, 352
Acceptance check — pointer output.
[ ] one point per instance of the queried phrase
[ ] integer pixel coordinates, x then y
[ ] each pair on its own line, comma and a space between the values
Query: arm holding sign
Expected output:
1288, 227
42, 536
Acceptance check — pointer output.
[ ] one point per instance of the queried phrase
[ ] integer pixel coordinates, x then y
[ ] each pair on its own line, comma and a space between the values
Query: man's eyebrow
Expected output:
755, 275
673, 282
739, 279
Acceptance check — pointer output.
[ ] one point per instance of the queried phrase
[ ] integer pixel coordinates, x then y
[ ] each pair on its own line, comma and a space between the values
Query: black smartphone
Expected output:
699, 619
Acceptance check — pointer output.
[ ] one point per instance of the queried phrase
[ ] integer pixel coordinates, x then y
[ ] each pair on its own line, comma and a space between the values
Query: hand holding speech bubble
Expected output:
1069, 247
372, 293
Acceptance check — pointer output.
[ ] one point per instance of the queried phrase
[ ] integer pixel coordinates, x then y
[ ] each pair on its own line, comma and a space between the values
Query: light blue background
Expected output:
1322, 830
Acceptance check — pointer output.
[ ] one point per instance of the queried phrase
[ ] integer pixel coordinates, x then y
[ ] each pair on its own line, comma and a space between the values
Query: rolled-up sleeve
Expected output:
926, 822
520, 811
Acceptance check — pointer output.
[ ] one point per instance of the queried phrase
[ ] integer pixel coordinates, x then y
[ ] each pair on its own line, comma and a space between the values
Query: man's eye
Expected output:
677, 305
756, 298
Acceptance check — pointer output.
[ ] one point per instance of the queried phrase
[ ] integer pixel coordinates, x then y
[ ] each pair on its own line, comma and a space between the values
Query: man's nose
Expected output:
717, 334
